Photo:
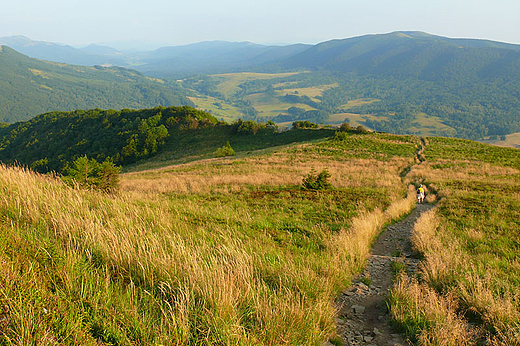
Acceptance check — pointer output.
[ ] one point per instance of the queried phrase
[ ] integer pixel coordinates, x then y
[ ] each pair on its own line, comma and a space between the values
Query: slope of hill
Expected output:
175, 258
234, 251
51, 140
411, 54
29, 87
402, 82
470, 244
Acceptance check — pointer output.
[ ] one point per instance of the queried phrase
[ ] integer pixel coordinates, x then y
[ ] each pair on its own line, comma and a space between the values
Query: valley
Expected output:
401, 82
231, 193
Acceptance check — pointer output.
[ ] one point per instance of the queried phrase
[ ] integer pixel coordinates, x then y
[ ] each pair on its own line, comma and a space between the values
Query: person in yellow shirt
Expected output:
420, 194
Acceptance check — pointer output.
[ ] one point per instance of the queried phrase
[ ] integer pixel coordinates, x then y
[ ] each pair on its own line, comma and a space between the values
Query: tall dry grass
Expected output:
352, 246
429, 317
452, 282
208, 283
276, 170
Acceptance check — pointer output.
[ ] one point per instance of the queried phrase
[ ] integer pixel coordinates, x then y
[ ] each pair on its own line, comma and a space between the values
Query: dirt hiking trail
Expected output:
363, 318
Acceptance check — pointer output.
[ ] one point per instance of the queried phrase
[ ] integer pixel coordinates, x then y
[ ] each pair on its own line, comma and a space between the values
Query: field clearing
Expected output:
425, 125
224, 111
270, 106
223, 251
228, 82
284, 84
312, 92
358, 102
512, 141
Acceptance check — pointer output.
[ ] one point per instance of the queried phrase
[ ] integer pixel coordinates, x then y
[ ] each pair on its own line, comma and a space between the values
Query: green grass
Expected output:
461, 149
218, 108
369, 146
229, 82
253, 263
270, 106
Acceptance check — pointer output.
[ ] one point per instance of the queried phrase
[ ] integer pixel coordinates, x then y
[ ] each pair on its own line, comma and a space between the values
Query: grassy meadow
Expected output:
228, 251
467, 292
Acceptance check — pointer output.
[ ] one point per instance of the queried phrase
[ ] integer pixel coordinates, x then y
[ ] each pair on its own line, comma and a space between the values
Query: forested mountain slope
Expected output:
403, 82
52, 140
29, 87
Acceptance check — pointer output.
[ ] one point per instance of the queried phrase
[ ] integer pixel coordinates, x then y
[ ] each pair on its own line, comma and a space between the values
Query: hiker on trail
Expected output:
420, 194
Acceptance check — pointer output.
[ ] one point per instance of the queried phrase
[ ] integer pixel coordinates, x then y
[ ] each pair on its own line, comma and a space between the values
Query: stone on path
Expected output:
358, 309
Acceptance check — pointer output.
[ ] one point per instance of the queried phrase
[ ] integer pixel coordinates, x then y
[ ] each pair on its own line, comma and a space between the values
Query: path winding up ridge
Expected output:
363, 318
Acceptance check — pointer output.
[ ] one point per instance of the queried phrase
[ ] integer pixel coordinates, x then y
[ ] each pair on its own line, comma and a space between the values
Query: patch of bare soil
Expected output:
363, 317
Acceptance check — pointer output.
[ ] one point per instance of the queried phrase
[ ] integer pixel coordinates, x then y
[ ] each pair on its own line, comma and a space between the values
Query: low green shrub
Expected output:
345, 127
91, 174
314, 181
226, 150
304, 125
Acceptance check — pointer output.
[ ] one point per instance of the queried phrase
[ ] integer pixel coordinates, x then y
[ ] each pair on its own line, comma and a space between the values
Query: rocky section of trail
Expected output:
363, 318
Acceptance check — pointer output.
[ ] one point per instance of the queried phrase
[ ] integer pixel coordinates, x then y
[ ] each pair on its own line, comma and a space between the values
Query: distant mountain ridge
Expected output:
213, 57
363, 54
88, 56
402, 52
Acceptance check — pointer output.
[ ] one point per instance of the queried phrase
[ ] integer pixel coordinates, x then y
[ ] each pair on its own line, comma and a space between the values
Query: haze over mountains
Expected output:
369, 53
462, 87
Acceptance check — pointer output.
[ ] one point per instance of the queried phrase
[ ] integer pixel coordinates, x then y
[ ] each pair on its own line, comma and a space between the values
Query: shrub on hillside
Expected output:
361, 129
91, 174
249, 127
340, 136
304, 124
317, 181
345, 127
226, 150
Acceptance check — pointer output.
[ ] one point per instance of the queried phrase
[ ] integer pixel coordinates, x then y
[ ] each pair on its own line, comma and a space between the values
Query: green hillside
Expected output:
220, 251
401, 82
51, 140
29, 87
234, 251
470, 246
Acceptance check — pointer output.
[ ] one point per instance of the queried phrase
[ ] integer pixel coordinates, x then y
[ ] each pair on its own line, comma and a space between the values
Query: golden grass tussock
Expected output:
429, 317
448, 268
441, 259
498, 310
352, 246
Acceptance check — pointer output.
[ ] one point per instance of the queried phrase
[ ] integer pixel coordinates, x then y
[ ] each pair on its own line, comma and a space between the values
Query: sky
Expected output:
161, 22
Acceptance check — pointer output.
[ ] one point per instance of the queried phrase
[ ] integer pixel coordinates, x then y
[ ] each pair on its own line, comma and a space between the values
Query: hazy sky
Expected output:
174, 22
